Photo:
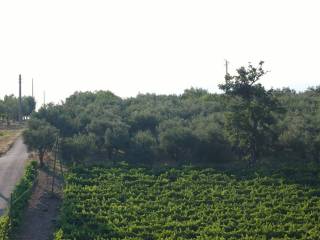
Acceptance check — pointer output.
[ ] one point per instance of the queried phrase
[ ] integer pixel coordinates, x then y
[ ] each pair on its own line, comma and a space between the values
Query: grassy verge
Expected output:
7, 138
19, 201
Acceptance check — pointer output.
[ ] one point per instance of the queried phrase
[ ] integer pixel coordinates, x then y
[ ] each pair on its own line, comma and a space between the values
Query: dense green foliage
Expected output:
9, 108
134, 203
148, 129
249, 121
19, 201
22, 193
40, 136
269, 129
195, 127
4, 226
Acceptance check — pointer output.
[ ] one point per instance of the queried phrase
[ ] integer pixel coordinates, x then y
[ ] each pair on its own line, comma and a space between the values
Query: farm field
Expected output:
187, 203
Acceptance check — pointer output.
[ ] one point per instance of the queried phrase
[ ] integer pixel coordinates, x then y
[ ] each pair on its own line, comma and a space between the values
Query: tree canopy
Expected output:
249, 121
245, 124
9, 108
40, 136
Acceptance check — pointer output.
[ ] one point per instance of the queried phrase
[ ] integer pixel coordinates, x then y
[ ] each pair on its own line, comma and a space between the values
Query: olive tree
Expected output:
40, 136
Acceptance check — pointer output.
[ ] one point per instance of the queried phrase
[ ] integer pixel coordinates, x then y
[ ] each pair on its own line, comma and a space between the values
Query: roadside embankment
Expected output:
8, 138
10, 221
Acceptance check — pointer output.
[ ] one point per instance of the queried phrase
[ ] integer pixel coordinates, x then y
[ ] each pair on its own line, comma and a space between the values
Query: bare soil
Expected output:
40, 218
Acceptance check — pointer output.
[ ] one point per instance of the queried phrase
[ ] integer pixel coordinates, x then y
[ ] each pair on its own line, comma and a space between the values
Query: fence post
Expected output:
10, 213
54, 171
60, 158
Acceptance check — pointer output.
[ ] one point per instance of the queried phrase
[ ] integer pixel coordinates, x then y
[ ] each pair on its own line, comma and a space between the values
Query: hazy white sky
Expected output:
154, 46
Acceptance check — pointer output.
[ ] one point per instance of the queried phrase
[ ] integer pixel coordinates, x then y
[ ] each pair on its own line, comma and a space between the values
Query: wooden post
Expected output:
59, 156
10, 211
54, 168
61, 168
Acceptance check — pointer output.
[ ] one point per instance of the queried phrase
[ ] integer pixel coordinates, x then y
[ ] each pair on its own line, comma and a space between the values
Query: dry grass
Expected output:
7, 138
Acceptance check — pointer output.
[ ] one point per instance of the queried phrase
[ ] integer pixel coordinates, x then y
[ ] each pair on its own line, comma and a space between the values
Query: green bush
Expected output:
58, 235
4, 224
19, 201
22, 193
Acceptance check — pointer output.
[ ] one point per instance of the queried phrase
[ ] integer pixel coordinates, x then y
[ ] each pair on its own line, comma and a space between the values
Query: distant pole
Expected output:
32, 87
44, 98
20, 100
227, 63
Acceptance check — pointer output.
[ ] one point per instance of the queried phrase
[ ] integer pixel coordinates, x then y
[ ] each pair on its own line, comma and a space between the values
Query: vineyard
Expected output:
186, 203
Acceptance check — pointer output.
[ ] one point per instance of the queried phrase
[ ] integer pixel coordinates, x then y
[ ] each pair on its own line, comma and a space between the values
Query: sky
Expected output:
163, 47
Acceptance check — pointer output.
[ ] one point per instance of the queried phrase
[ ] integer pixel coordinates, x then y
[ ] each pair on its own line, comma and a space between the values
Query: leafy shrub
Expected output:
19, 200
4, 226
22, 193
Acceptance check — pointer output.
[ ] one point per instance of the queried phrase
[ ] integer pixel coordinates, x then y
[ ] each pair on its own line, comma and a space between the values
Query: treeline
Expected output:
9, 108
247, 123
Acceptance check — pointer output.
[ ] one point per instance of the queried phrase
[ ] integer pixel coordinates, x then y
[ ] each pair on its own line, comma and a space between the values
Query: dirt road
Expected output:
11, 169
40, 218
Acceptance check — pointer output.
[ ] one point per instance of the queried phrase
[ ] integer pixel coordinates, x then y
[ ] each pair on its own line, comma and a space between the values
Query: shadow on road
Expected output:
3, 197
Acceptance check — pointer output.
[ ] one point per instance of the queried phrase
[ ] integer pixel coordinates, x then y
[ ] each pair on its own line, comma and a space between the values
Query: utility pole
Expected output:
44, 98
20, 100
226, 63
32, 87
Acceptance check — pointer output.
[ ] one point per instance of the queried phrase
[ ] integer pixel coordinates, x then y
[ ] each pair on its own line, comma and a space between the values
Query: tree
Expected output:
2, 110
11, 108
28, 105
248, 123
144, 121
116, 138
177, 141
211, 145
78, 147
58, 117
143, 148
40, 136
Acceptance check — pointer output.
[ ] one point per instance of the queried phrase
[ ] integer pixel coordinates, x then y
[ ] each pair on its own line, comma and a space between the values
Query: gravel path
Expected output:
11, 169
